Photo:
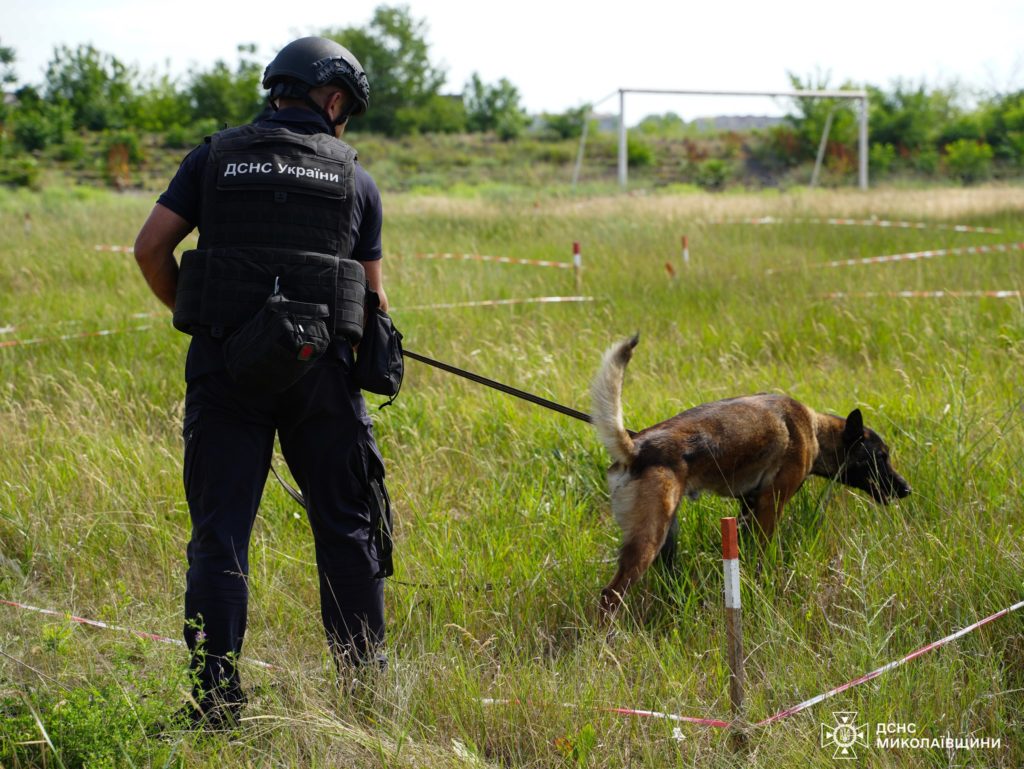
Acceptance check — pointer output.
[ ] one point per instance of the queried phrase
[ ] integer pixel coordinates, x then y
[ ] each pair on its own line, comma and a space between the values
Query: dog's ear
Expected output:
854, 430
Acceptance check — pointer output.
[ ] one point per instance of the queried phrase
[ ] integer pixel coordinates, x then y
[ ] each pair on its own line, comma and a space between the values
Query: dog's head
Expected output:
865, 462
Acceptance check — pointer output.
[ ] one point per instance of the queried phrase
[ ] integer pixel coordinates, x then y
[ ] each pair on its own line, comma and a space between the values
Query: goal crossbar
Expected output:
860, 96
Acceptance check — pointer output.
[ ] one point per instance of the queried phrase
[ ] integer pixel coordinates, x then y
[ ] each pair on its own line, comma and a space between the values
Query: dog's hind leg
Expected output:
667, 554
644, 508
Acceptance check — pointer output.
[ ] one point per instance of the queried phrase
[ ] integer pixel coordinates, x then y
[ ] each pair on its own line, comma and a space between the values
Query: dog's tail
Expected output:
606, 395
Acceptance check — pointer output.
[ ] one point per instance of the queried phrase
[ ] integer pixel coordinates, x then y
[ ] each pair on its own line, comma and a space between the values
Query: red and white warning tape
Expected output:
497, 302
488, 258
722, 724
890, 666
931, 254
427, 255
924, 294
107, 626
76, 322
866, 223
712, 722
67, 337
148, 327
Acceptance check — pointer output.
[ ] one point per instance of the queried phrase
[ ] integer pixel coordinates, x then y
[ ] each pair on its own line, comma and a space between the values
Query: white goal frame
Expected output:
860, 96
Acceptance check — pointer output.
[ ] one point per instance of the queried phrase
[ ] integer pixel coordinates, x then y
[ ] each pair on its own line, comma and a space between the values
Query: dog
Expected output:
758, 449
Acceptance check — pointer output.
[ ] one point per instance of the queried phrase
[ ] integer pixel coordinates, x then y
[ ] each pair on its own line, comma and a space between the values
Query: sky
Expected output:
562, 54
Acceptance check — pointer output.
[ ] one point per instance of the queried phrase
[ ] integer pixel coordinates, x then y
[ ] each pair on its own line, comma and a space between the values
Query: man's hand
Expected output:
154, 251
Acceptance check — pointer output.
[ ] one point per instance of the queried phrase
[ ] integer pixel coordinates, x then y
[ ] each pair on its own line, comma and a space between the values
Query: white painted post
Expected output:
686, 250
862, 143
622, 139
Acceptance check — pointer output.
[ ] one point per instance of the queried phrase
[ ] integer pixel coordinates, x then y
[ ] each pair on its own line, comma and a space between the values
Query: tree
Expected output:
668, 124
811, 114
228, 96
494, 108
909, 117
568, 124
394, 52
161, 104
97, 87
7, 58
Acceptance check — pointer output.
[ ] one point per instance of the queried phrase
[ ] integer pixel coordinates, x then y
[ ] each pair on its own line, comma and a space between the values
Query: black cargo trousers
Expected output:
327, 440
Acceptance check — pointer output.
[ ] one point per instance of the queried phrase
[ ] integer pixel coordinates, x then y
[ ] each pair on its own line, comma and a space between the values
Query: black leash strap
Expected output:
499, 386
508, 389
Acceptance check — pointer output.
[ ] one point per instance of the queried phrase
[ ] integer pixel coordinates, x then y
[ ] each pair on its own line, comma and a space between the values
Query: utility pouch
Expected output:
278, 345
382, 532
379, 366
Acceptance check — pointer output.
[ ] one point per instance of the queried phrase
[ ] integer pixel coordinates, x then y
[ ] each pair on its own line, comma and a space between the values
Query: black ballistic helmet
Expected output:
310, 62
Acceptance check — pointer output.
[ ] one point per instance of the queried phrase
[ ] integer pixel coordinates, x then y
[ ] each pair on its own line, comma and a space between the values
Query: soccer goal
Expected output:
859, 97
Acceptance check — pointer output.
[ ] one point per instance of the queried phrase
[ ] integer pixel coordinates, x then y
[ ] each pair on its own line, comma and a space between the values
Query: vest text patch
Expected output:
274, 170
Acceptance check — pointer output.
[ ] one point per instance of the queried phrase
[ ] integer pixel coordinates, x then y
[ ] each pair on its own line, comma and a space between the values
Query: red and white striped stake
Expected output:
577, 264
686, 250
733, 616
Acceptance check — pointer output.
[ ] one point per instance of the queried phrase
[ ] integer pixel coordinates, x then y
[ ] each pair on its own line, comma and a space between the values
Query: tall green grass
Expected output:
503, 537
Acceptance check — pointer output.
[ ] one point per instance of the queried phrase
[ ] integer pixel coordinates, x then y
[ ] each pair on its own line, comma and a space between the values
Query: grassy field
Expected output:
503, 533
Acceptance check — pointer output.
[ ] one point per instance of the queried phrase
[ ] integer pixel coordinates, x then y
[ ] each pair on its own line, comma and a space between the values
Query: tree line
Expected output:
913, 129
85, 89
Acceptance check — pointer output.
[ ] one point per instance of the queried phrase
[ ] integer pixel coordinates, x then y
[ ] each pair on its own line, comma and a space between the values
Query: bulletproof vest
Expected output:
276, 209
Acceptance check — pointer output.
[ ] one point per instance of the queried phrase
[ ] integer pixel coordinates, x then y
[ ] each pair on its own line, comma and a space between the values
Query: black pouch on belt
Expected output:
279, 344
379, 365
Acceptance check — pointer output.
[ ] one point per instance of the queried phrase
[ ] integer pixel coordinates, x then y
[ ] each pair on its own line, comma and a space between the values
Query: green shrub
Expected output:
713, 173
22, 171
32, 130
126, 142
926, 161
968, 160
186, 137
71, 149
638, 152
881, 158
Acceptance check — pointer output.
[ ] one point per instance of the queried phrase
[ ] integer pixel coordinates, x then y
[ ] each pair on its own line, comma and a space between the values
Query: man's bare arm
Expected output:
154, 251
375, 279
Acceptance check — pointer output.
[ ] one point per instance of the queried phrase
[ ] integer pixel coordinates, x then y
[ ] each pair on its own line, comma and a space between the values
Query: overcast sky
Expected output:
563, 54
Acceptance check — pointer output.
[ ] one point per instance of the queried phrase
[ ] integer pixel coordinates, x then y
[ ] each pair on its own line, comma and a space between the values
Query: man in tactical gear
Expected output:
289, 230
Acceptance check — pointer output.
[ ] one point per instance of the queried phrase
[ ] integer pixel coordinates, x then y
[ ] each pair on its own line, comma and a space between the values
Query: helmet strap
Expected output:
292, 91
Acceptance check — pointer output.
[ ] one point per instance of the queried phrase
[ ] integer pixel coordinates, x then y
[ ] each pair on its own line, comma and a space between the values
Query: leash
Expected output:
508, 389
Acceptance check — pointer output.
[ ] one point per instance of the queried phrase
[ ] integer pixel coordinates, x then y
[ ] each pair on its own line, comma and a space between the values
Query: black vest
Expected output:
275, 205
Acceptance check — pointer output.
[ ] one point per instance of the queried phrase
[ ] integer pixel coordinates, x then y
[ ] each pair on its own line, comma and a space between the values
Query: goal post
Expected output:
859, 96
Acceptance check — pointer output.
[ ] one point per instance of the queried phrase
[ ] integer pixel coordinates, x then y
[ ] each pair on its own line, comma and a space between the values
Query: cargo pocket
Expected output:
190, 433
380, 516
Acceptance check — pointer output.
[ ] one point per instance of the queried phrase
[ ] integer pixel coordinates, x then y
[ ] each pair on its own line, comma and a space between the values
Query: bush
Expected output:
186, 137
32, 130
21, 171
927, 161
126, 143
881, 158
638, 152
712, 174
72, 149
970, 161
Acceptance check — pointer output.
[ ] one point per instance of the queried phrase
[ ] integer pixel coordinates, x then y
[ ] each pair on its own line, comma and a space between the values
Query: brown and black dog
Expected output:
757, 449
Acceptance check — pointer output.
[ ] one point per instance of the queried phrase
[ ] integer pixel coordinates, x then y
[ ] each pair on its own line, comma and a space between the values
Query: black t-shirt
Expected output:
183, 196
